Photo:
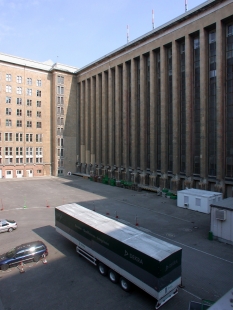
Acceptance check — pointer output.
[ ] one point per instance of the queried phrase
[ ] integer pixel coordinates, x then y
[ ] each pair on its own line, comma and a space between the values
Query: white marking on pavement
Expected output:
191, 294
153, 211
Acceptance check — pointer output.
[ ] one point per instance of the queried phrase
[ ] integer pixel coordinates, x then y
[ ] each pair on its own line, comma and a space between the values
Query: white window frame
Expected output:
19, 79
8, 77
38, 83
19, 90
8, 88
29, 92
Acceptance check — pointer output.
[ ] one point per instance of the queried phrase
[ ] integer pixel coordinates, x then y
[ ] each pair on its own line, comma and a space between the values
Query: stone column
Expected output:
134, 174
82, 127
87, 125
93, 120
164, 121
78, 127
189, 98
203, 108
176, 116
110, 123
153, 122
220, 69
125, 121
98, 122
143, 130
117, 124
104, 118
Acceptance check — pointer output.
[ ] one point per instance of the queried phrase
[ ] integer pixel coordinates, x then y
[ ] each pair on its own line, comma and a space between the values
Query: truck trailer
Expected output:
124, 253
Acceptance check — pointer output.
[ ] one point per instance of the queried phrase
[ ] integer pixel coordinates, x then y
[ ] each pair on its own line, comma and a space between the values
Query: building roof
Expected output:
202, 7
224, 204
199, 192
48, 65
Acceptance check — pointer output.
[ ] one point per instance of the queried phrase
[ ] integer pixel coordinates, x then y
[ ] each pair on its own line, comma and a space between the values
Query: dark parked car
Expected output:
27, 252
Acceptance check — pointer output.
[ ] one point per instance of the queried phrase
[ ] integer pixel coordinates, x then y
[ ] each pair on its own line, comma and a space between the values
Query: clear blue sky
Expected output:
75, 32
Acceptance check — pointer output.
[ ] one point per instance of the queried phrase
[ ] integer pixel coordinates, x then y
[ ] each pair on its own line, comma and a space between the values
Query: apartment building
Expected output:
34, 99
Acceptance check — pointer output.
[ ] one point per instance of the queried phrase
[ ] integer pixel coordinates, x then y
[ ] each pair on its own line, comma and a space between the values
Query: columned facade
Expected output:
157, 112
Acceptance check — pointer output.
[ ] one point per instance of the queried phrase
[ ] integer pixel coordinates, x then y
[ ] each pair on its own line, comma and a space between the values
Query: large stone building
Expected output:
157, 111
35, 101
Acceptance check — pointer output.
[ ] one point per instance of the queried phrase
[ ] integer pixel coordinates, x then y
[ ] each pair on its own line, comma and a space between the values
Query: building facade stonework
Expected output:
157, 111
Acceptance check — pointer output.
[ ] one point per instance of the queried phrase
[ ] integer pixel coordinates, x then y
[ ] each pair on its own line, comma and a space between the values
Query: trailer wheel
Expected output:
102, 269
113, 276
125, 284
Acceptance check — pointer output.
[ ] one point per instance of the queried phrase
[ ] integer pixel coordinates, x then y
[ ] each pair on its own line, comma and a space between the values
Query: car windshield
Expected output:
10, 221
11, 253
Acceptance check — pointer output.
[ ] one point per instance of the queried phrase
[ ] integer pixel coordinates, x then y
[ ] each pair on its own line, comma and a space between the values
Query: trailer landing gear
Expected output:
165, 298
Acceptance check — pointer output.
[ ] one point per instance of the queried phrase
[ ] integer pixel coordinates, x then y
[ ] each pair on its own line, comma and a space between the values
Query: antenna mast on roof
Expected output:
186, 5
127, 34
153, 23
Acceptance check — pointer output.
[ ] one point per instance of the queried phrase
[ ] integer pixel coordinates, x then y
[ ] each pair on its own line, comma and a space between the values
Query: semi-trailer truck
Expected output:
124, 253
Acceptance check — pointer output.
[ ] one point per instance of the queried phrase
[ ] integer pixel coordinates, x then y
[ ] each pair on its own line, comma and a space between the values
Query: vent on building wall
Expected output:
186, 205
220, 215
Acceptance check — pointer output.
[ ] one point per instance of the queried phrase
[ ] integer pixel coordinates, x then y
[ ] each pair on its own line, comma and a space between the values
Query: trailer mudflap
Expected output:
165, 298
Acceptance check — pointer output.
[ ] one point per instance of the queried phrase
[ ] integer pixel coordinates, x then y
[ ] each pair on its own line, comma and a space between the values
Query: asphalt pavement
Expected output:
71, 282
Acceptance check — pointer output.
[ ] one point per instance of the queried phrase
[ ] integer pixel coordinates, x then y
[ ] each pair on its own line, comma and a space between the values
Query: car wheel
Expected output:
4, 267
36, 258
125, 284
113, 276
10, 229
102, 269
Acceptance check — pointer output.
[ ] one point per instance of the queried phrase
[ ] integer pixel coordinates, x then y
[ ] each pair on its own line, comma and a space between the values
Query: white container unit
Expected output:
197, 199
221, 224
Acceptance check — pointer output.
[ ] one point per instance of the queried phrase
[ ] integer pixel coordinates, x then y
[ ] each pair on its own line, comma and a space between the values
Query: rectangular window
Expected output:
19, 112
19, 90
39, 137
19, 151
18, 123
38, 93
8, 99
29, 151
8, 122
60, 90
39, 151
38, 113
60, 79
19, 137
29, 81
29, 113
29, 102
19, 79
8, 111
60, 100
19, 101
38, 104
8, 88
60, 141
8, 136
29, 91
8, 151
29, 137
38, 125
8, 77
38, 83
29, 124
